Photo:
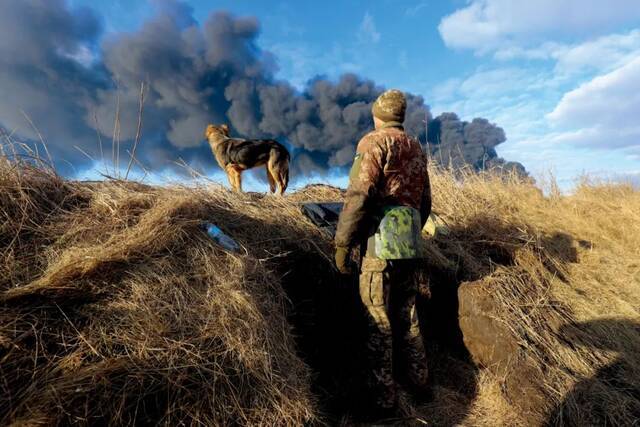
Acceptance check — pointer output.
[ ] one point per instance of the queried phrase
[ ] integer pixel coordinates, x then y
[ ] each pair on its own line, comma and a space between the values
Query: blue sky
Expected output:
561, 77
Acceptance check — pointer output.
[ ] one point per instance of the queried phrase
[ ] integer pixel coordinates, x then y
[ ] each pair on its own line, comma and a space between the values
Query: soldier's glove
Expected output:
343, 260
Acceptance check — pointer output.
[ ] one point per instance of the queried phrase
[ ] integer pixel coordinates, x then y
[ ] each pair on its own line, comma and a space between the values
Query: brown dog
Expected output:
236, 155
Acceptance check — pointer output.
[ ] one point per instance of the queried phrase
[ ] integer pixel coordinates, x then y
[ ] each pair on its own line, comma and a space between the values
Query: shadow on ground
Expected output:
612, 395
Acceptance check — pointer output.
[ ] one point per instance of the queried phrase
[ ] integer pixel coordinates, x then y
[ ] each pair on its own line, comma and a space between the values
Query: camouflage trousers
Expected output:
395, 347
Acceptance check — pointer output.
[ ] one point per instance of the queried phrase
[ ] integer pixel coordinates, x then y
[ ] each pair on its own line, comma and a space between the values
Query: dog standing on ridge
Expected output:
236, 155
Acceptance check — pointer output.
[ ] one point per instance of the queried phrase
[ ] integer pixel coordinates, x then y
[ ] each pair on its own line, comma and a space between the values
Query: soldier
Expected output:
387, 203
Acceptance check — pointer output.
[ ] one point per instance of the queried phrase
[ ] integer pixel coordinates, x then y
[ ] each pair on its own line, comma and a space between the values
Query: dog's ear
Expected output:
225, 129
209, 130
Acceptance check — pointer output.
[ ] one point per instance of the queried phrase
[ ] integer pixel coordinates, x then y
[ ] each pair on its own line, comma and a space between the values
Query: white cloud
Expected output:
413, 10
546, 104
579, 136
604, 53
603, 112
368, 33
545, 51
484, 25
570, 100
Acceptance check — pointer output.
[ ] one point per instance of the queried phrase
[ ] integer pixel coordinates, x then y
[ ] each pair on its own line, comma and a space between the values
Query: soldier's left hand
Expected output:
343, 258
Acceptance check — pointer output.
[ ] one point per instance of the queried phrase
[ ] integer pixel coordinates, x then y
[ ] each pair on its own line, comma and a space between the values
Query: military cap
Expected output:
390, 106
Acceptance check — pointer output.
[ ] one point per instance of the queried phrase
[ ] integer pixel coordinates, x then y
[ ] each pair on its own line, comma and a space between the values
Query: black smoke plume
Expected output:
460, 144
59, 72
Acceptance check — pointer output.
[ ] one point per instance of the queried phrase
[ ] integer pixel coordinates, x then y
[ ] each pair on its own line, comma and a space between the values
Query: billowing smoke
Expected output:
460, 144
42, 79
57, 71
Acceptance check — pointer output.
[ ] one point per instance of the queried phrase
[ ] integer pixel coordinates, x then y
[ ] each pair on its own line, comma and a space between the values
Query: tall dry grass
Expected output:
117, 308
563, 275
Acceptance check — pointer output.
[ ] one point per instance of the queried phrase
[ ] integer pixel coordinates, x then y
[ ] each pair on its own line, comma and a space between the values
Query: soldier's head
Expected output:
389, 107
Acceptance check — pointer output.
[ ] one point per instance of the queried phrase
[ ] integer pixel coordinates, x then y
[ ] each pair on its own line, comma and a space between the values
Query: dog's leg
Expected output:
234, 178
272, 180
275, 167
282, 176
239, 181
230, 177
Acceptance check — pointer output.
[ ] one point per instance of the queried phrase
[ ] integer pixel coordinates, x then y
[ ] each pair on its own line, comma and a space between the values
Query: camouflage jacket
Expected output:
389, 169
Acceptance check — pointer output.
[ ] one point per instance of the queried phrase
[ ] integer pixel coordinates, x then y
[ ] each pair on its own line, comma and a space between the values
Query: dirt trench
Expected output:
329, 325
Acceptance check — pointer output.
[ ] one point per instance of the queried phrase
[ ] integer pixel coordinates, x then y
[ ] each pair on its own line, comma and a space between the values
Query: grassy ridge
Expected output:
116, 306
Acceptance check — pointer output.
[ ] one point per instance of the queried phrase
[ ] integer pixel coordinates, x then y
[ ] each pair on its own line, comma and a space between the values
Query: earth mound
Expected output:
116, 307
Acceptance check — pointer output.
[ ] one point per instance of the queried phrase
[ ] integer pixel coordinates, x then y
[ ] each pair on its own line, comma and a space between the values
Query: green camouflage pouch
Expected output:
398, 234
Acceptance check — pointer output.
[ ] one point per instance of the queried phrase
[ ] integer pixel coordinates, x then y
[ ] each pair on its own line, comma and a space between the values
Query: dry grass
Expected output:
116, 307
564, 274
